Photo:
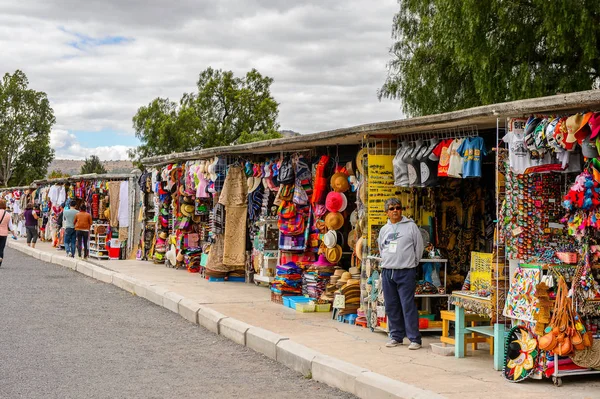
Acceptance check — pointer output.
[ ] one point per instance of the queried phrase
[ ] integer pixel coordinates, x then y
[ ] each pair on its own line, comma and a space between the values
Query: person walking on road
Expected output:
69, 225
83, 223
31, 225
401, 248
6, 227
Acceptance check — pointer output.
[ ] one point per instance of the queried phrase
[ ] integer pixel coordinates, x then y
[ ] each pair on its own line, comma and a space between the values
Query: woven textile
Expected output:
234, 253
114, 188
589, 357
235, 189
215, 256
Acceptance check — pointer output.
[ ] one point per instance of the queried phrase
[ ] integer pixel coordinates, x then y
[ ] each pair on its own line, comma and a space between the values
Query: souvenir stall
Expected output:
175, 209
110, 201
16, 199
445, 183
547, 233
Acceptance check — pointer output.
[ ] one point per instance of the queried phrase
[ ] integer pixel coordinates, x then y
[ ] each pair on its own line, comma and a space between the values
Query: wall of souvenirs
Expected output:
109, 202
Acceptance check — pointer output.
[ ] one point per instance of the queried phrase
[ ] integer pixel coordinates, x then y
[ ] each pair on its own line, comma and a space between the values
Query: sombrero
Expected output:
522, 351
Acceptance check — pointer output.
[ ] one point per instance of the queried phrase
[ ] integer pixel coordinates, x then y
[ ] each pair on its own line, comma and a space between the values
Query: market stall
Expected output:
110, 200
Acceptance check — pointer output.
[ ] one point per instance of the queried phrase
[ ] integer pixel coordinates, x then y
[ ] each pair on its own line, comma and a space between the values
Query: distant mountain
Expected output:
288, 133
73, 166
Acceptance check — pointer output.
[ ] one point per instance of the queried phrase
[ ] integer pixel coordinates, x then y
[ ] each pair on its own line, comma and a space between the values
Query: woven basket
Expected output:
569, 258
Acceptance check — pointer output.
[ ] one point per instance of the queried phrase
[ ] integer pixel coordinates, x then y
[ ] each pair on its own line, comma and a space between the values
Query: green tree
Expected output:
454, 54
92, 165
222, 110
26, 119
57, 174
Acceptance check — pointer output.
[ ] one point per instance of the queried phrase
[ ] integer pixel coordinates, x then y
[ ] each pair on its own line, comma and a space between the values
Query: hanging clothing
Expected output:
400, 167
442, 151
456, 161
124, 204
429, 166
472, 150
414, 165
234, 196
114, 190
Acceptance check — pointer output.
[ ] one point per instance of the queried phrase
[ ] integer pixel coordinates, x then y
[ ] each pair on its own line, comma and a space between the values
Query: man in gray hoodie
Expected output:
400, 247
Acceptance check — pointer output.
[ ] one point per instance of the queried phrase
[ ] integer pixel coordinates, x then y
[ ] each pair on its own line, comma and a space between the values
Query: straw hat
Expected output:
345, 277
575, 123
330, 239
339, 182
358, 248
353, 281
187, 210
334, 220
360, 157
339, 273
253, 183
334, 254
352, 238
354, 270
163, 235
322, 261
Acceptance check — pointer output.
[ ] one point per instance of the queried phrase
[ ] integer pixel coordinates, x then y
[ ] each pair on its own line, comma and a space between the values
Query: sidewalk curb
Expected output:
310, 363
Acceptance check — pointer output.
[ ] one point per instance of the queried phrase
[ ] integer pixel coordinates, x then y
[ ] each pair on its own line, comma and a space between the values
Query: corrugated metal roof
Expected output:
483, 117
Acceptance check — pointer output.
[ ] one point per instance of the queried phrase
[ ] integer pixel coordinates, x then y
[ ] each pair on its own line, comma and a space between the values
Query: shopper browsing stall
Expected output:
6, 227
31, 224
401, 247
69, 225
83, 223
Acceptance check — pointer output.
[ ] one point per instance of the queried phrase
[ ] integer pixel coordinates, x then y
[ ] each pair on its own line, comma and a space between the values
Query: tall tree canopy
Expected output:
92, 165
26, 119
224, 110
454, 54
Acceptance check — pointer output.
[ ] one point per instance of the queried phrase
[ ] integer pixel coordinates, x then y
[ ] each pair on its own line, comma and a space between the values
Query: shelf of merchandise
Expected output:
425, 298
97, 244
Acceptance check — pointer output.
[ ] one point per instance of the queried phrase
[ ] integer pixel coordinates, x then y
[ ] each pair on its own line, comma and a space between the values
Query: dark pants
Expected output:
32, 234
70, 238
2, 245
82, 242
399, 295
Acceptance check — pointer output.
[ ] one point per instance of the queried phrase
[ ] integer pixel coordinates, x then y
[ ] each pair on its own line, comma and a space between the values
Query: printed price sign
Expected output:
380, 187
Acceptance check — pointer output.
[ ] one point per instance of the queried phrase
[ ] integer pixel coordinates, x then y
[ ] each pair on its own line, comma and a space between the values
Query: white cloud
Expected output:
327, 58
67, 146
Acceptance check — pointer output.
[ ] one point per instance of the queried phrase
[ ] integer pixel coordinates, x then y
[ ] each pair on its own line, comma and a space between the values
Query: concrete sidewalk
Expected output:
351, 358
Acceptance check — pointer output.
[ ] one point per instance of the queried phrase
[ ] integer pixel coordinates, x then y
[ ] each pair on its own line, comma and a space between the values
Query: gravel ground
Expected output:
64, 335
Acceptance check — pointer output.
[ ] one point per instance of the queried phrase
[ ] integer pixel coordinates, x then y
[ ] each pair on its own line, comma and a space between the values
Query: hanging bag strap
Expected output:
3, 215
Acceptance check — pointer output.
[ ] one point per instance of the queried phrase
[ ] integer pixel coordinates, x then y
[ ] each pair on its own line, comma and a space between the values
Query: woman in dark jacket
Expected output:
31, 225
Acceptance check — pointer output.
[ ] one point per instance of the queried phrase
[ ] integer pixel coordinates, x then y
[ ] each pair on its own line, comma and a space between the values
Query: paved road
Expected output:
64, 335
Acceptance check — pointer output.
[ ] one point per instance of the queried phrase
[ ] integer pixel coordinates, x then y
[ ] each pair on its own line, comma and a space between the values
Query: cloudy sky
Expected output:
100, 60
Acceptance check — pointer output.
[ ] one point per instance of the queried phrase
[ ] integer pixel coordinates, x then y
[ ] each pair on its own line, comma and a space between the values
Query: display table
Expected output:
464, 301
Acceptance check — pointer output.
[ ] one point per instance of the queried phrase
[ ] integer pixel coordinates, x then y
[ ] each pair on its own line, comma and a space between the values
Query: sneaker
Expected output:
392, 343
414, 346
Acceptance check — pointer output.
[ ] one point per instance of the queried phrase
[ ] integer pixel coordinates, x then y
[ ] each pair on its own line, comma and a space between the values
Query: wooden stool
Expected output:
474, 339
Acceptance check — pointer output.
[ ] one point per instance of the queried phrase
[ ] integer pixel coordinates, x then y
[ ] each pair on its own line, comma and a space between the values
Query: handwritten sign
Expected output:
380, 187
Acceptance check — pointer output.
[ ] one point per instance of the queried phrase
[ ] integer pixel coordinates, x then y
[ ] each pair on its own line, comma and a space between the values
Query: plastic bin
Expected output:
305, 307
326, 307
295, 300
114, 252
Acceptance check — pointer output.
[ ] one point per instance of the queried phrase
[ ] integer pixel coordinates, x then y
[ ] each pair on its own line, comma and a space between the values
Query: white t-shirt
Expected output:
570, 160
456, 161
